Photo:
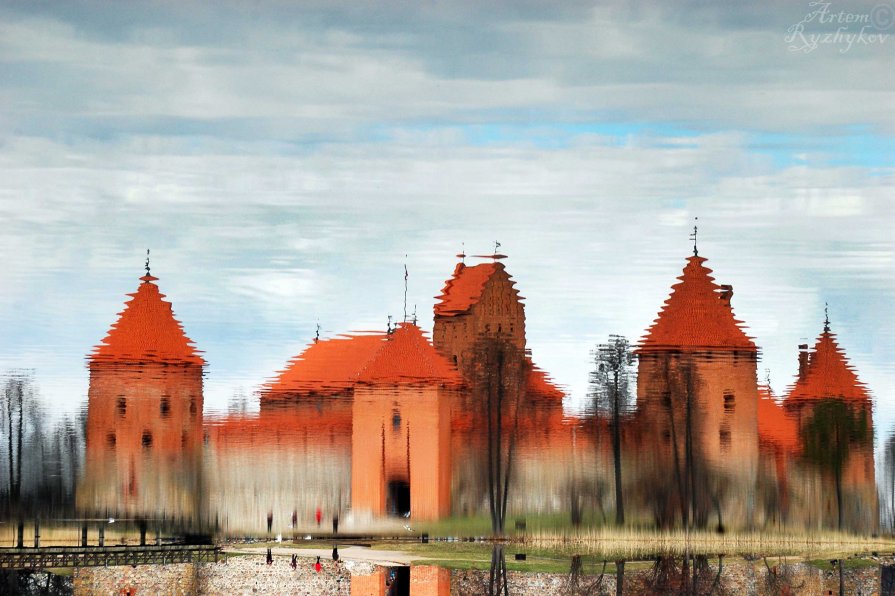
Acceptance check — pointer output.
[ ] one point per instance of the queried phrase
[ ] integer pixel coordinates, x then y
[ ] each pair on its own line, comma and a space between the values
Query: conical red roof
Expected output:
464, 288
828, 375
146, 331
404, 357
695, 318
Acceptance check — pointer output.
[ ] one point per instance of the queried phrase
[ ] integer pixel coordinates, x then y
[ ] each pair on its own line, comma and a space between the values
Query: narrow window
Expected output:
122, 406
147, 439
724, 439
729, 403
110, 441
164, 407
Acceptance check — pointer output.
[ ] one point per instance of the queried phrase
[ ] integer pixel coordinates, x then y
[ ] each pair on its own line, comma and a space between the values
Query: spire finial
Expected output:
693, 236
317, 334
462, 254
827, 317
405, 288
389, 328
496, 246
414, 314
147, 261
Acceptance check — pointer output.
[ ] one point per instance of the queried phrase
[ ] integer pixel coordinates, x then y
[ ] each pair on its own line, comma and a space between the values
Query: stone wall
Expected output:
247, 574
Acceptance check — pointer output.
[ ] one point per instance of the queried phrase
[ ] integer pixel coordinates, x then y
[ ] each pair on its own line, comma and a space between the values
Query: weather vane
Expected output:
826, 316
405, 288
496, 246
317, 334
389, 331
693, 237
147, 261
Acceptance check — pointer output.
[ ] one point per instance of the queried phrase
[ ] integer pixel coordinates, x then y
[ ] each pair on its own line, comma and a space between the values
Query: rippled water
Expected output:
457, 431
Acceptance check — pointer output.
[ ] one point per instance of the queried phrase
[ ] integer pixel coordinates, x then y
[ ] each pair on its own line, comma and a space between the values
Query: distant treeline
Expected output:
39, 462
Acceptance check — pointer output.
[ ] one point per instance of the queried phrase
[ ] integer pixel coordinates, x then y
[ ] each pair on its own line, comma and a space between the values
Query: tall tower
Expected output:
697, 402
834, 414
144, 416
477, 302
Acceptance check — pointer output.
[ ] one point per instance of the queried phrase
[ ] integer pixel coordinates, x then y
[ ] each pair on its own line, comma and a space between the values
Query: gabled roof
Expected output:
695, 317
146, 331
775, 426
464, 288
829, 375
404, 357
407, 357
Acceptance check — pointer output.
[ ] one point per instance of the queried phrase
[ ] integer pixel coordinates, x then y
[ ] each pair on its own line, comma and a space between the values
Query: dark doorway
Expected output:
398, 581
398, 498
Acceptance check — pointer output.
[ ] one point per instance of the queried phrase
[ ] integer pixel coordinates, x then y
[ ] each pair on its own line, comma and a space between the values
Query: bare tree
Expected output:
887, 485
610, 395
498, 393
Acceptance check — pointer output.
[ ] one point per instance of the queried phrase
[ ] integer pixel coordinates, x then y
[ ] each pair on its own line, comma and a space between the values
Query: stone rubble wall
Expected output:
239, 575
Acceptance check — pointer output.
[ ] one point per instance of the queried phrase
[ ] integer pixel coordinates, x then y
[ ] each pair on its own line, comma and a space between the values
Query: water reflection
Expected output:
39, 462
391, 431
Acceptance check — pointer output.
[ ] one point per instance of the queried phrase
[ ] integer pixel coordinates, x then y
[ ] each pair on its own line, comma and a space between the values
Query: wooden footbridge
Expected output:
48, 557
101, 554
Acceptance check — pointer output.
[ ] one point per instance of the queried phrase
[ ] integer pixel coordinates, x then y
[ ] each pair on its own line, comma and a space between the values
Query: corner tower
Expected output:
144, 416
834, 414
697, 400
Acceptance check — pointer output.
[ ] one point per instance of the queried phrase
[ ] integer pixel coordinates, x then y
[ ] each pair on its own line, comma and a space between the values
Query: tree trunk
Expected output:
9, 401
619, 578
617, 455
838, 474
17, 490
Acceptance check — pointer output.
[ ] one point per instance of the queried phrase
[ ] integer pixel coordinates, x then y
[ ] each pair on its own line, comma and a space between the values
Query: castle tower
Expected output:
697, 404
477, 301
399, 392
834, 414
144, 416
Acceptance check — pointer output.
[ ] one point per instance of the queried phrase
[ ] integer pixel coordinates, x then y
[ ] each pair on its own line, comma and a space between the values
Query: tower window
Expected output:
193, 407
729, 402
110, 440
396, 421
724, 439
164, 407
147, 439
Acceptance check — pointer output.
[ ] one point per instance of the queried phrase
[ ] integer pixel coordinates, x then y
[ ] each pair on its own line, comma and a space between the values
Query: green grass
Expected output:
851, 563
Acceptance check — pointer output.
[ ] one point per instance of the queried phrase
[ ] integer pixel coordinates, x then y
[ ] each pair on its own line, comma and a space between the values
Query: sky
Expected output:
284, 161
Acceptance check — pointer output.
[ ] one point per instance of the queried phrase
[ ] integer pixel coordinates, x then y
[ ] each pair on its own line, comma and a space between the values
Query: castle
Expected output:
367, 428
